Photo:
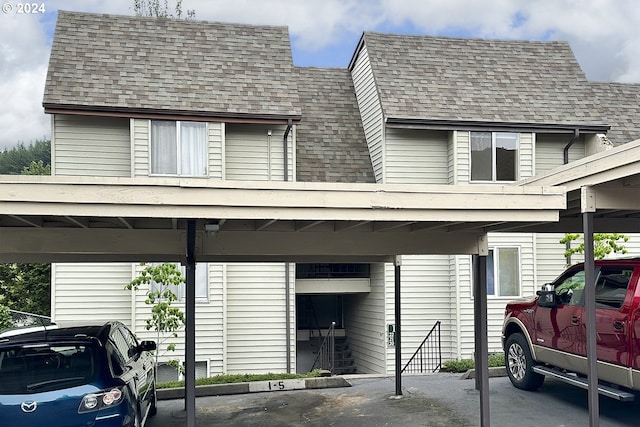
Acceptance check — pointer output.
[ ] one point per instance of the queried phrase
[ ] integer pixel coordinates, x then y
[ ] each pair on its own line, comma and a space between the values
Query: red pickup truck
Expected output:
546, 335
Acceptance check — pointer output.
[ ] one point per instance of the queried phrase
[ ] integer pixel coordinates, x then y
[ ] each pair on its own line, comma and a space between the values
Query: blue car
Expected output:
97, 375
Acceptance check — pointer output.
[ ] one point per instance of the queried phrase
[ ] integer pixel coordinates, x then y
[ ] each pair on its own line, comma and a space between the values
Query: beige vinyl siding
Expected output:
253, 155
462, 148
416, 156
526, 155
364, 323
141, 143
91, 146
370, 111
550, 260
550, 151
216, 150
256, 321
452, 158
91, 292
209, 322
426, 293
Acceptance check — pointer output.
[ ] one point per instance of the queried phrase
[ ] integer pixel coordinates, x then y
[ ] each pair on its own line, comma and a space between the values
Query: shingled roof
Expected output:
488, 81
619, 106
170, 66
331, 146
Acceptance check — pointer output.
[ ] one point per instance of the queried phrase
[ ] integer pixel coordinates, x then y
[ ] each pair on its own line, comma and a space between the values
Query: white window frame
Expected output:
496, 265
494, 169
496, 277
180, 292
178, 124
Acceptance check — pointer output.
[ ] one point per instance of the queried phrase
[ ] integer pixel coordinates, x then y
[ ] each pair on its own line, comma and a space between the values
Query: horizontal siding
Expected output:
141, 147
256, 320
209, 324
463, 157
370, 111
526, 155
426, 297
365, 327
416, 156
91, 292
216, 152
254, 156
91, 146
550, 151
550, 260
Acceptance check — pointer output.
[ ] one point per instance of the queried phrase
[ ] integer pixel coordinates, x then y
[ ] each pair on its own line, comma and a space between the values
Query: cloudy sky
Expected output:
604, 35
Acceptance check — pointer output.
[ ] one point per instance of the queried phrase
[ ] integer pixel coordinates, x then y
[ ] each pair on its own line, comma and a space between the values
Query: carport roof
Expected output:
606, 183
56, 219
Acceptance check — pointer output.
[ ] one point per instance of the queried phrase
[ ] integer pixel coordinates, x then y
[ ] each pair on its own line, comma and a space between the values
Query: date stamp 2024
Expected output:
23, 8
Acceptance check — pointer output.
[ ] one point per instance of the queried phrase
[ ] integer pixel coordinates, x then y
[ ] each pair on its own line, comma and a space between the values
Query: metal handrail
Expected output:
325, 359
428, 355
23, 319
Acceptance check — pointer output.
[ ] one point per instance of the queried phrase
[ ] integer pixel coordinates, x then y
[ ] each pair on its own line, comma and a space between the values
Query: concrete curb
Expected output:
256, 386
499, 371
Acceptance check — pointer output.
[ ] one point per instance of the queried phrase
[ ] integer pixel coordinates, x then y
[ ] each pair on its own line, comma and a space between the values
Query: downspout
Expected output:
287, 281
576, 134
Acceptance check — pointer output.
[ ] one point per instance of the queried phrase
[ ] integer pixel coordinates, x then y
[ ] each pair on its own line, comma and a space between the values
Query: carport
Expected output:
603, 195
82, 219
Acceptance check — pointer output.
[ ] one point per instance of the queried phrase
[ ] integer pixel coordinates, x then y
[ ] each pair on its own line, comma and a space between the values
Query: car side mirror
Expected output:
147, 346
547, 296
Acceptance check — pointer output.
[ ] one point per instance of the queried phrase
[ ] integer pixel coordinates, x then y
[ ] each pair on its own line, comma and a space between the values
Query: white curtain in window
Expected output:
193, 148
164, 147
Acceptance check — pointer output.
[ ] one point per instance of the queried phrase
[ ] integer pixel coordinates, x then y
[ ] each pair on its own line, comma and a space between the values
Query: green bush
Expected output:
463, 365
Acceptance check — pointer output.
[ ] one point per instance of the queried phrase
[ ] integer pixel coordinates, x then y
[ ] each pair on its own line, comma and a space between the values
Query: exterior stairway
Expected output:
343, 362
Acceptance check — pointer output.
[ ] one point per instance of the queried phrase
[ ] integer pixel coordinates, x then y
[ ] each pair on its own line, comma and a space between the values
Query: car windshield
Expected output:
36, 368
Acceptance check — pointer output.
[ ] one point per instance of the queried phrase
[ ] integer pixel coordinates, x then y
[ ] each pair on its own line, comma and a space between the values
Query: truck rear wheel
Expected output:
519, 363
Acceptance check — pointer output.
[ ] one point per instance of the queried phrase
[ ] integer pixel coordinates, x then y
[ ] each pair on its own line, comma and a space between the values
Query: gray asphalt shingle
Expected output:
331, 146
111, 63
507, 81
619, 106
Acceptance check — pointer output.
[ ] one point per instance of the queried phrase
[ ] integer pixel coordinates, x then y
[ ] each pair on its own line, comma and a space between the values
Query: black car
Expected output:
98, 375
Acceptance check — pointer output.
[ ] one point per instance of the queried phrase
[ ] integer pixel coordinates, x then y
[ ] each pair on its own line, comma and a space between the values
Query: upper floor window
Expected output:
202, 284
178, 148
494, 156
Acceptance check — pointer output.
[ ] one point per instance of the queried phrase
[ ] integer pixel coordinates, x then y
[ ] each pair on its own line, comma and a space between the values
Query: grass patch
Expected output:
463, 365
239, 378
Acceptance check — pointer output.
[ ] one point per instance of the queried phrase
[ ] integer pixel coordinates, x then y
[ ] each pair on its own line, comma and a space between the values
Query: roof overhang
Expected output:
477, 125
55, 219
141, 113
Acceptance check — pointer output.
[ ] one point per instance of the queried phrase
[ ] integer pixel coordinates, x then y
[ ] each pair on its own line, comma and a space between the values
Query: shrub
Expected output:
463, 365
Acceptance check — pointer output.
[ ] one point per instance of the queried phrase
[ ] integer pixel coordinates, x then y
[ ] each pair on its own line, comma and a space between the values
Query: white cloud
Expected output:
602, 33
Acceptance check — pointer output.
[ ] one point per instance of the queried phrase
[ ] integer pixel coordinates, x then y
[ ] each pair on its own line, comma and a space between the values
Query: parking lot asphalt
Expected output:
428, 400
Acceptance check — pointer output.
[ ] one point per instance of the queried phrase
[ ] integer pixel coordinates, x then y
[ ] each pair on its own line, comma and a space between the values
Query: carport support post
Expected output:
588, 207
481, 336
190, 324
398, 263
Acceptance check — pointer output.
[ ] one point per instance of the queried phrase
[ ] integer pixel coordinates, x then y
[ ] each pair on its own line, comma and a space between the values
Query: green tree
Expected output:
26, 287
14, 160
161, 282
37, 168
160, 9
5, 317
603, 244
